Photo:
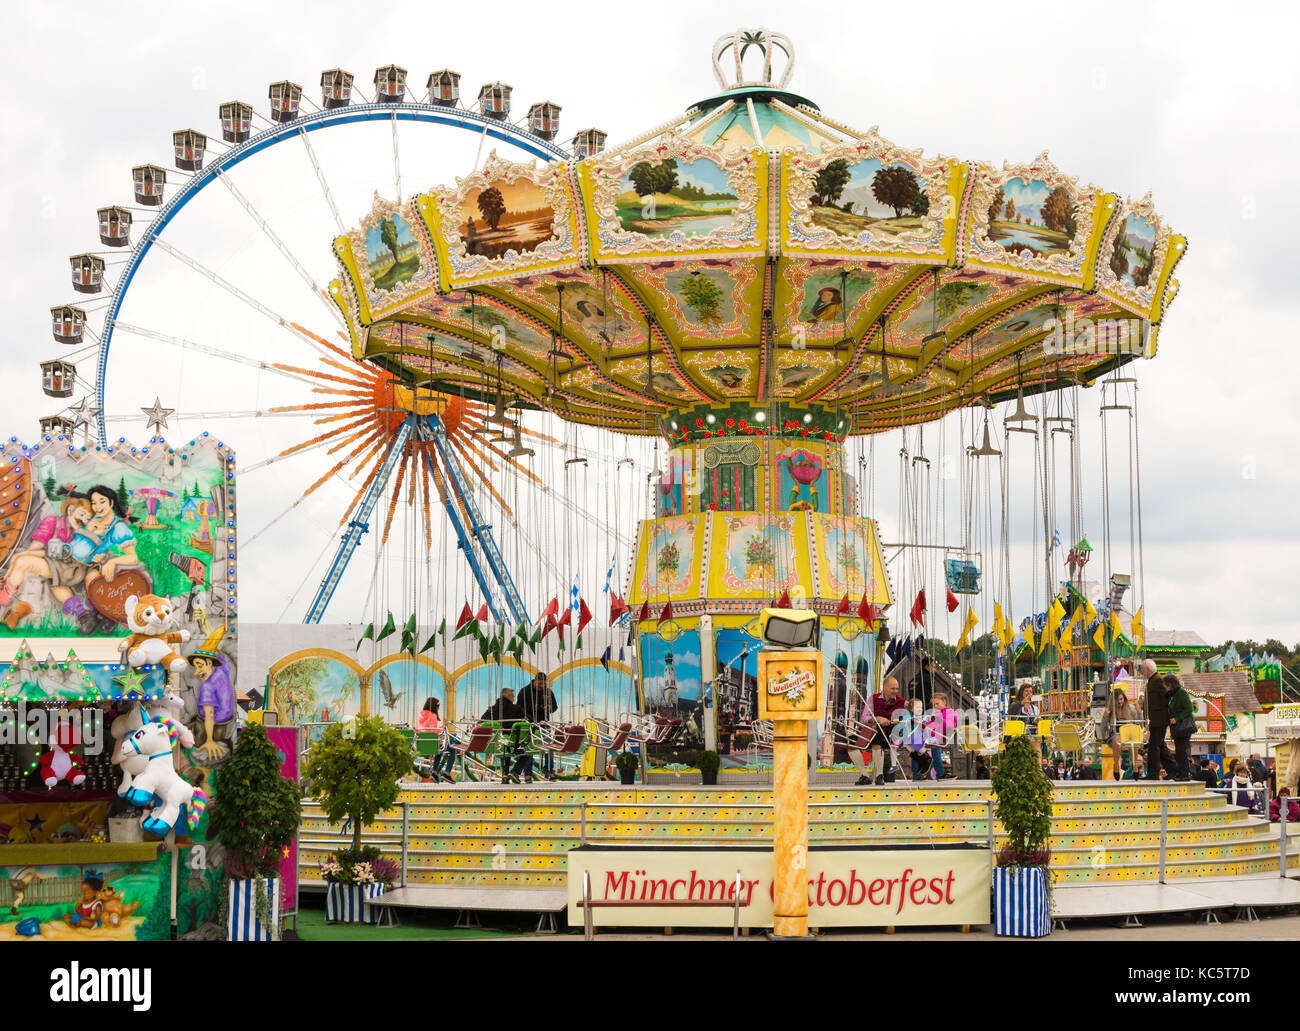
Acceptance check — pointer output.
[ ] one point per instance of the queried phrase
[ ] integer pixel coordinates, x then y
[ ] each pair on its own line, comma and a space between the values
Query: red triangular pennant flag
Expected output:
465, 616
917, 612
482, 614
584, 615
844, 605
644, 614
784, 601
617, 608
550, 625
667, 612
866, 611
952, 600
551, 609
564, 617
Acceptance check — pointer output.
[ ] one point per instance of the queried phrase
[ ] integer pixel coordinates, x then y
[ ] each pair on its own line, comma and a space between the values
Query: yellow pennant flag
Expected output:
1054, 615
1029, 636
1088, 610
1115, 629
1099, 636
971, 621
1000, 626
1139, 632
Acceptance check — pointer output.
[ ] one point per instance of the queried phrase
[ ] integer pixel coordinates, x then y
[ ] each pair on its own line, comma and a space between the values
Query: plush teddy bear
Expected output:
151, 642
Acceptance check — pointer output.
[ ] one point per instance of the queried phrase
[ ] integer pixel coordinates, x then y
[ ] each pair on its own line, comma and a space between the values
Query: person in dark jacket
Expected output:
1157, 708
1182, 724
506, 711
537, 701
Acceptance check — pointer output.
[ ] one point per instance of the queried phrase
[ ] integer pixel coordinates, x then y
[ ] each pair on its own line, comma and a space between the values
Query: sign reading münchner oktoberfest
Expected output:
846, 887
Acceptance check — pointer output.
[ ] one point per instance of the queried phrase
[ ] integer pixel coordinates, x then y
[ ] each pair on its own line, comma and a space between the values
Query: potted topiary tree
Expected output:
353, 771
255, 816
627, 764
1021, 897
708, 767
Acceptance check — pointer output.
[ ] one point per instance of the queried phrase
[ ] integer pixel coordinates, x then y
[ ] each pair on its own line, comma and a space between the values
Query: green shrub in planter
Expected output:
709, 767
1022, 884
627, 764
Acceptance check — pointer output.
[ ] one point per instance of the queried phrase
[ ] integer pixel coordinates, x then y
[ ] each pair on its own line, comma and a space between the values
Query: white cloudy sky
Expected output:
1200, 109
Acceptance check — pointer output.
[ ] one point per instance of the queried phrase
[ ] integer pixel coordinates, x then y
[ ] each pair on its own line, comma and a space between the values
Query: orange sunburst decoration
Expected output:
374, 404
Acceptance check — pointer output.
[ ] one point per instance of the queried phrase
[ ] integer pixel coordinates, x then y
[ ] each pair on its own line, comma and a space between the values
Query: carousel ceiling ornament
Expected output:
753, 253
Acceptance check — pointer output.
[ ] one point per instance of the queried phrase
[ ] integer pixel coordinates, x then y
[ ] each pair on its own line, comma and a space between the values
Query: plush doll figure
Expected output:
152, 643
60, 762
149, 779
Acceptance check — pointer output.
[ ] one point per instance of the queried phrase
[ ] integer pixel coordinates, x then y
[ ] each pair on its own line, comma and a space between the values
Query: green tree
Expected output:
650, 178
492, 206
895, 186
702, 294
830, 182
51, 486
256, 812
1023, 803
123, 496
353, 771
1009, 210
921, 205
388, 233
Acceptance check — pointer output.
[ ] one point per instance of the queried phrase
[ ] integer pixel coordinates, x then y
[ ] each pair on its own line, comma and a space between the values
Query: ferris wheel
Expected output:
228, 324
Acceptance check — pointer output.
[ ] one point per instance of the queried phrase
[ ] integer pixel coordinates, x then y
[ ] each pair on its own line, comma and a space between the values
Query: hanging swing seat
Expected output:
962, 575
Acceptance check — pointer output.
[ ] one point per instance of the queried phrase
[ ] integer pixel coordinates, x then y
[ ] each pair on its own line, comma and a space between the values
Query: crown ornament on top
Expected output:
735, 45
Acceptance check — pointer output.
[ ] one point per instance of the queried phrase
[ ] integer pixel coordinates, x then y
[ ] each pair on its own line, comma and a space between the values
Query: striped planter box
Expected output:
350, 903
242, 924
1020, 907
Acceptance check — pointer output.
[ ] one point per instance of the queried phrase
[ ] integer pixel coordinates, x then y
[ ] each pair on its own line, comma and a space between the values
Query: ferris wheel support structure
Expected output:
279, 133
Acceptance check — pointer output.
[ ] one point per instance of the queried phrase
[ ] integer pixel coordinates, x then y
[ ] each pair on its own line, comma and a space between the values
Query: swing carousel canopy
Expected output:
754, 253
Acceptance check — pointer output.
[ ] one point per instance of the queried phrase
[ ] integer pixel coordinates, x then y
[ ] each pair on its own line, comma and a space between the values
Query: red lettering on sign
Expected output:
877, 885
948, 894
830, 892
860, 885
672, 891
918, 884
936, 890
615, 887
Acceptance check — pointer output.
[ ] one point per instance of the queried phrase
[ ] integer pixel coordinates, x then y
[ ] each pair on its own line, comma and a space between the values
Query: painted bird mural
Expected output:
386, 686
829, 304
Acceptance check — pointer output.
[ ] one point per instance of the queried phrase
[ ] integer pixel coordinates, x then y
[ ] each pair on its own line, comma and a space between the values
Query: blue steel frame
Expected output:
428, 428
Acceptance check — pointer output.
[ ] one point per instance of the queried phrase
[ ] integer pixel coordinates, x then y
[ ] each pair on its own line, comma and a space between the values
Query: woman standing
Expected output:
1182, 724
1119, 711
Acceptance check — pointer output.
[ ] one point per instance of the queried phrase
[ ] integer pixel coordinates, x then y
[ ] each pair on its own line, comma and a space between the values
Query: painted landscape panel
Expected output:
658, 199
1029, 217
505, 216
392, 254
868, 197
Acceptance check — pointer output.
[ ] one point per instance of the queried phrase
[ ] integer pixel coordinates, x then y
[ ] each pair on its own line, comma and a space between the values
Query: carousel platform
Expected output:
1106, 837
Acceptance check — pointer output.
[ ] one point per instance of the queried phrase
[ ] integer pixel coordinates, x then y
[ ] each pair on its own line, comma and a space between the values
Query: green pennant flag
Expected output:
390, 628
577, 645
442, 630
430, 642
535, 640
469, 628
483, 647
368, 634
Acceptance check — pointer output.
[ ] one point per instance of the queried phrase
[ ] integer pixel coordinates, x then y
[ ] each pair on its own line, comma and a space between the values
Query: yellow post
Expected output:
790, 695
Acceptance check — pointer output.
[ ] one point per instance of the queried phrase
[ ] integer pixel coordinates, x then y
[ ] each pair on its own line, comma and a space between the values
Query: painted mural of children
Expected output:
107, 542
89, 912
47, 558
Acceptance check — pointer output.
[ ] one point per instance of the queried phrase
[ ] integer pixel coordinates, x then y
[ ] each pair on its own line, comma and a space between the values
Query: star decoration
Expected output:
83, 413
156, 417
131, 682
34, 823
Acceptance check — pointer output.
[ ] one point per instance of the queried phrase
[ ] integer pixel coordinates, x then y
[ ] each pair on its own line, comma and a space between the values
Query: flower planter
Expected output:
708, 776
242, 923
350, 903
627, 776
1020, 904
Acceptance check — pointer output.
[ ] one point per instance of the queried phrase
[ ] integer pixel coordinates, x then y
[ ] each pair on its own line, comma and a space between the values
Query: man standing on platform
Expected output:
537, 701
1157, 710
879, 715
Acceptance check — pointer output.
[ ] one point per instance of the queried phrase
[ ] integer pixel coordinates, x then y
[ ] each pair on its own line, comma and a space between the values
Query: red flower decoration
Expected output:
708, 433
699, 424
830, 436
713, 506
731, 423
803, 433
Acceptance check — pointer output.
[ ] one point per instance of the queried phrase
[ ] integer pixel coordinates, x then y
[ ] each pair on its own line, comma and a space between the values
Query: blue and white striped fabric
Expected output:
242, 924
350, 903
1020, 907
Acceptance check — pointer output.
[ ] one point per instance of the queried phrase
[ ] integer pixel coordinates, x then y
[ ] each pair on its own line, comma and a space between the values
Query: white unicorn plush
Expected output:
149, 777
170, 706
